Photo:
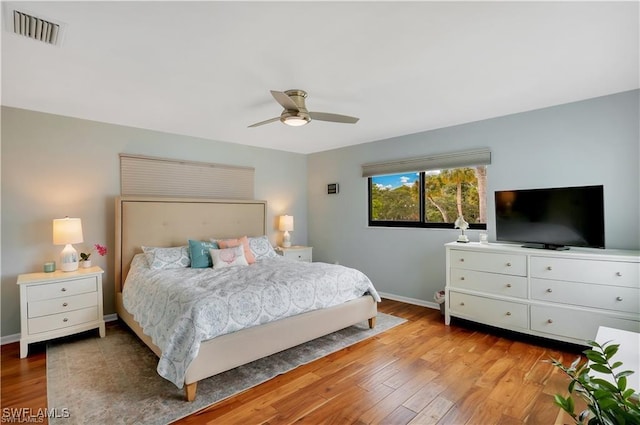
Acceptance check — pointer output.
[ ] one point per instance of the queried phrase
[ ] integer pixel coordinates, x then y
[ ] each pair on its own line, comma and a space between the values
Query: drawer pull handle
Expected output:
462, 260
65, 304
508, 285
618, 298
461, 303
65, 320
549, 268
549, 321
549, 290
508, 264
618, 274
64, 289
508, 313
462, 278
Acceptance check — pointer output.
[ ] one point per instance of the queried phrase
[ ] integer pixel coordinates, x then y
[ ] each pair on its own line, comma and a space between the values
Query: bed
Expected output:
169, 222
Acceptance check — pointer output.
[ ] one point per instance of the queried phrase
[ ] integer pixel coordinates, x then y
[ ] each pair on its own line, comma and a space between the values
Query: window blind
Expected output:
431, 162
149, 176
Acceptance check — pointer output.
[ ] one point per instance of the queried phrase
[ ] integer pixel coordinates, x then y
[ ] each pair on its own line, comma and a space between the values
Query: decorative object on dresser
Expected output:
297, 252
59, 304
67, 231
461, 224
286, 226
562, 295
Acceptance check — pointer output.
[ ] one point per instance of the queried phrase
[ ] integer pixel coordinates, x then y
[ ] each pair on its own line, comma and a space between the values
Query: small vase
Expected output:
86, 264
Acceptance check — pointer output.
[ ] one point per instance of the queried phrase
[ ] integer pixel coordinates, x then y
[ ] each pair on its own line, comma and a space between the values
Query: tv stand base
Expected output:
546, 246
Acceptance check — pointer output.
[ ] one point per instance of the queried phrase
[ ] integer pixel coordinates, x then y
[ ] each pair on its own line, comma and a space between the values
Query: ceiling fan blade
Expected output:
325, 116
265, 122
284, 100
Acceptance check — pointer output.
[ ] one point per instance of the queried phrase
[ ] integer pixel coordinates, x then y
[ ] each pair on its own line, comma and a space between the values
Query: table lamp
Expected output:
67, 231
286, 225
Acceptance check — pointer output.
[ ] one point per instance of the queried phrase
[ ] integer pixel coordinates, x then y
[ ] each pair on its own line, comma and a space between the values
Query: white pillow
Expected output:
228, 257
167, 258
261, 248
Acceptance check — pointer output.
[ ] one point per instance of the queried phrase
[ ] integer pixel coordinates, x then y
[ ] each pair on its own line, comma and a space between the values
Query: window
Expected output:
432, 198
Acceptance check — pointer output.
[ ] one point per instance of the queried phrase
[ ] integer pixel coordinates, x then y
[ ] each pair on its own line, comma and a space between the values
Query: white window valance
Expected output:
431, 162
150, 176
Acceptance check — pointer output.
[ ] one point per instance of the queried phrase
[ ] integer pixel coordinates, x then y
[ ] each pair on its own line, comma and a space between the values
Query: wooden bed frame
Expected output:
164, 222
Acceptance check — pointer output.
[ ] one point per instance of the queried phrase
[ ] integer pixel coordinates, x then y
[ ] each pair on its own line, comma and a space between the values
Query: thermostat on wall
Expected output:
333, 188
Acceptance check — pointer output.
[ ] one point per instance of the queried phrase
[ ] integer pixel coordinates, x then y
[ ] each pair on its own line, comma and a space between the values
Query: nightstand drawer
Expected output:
300, 256
61, 289
298, 253
61, 305
62, 320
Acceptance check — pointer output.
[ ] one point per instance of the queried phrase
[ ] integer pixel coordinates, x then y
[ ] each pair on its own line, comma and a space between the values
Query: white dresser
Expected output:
563, 295
297, 252
59, 304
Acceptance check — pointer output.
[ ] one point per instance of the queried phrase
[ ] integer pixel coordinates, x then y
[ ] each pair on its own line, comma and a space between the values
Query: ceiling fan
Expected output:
296, 114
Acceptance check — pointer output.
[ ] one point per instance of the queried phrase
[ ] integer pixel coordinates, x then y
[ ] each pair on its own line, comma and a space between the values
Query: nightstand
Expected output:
296, 252
59, 304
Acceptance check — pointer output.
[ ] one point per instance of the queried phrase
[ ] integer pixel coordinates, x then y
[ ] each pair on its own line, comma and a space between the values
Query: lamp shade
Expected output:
286, 223
67, 231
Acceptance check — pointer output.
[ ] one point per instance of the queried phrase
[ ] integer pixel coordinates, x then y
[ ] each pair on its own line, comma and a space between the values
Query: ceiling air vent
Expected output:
36, 28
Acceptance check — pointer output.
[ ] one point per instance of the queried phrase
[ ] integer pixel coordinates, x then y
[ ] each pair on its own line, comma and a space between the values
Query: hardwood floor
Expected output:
421, 372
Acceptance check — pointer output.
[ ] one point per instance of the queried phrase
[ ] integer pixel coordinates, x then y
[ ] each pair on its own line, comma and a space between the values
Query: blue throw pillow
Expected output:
199, 252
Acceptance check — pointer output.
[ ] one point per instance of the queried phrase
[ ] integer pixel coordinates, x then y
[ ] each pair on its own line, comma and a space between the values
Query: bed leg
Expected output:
190, 391
372, 322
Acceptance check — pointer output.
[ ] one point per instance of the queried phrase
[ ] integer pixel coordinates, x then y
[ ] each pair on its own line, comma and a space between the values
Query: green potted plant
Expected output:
608, 403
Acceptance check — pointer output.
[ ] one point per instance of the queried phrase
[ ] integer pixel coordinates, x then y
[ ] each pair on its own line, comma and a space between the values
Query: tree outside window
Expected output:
432, 198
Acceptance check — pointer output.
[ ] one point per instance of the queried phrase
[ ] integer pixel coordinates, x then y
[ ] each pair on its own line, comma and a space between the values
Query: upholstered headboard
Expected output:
164, 222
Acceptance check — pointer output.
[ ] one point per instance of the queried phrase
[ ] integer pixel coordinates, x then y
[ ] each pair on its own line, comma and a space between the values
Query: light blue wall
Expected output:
54, 166
591, 142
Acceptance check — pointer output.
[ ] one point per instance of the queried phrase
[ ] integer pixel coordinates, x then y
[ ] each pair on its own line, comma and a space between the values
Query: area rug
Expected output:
113, 380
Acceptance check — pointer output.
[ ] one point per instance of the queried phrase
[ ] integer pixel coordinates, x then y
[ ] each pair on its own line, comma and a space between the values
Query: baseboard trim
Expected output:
408, 300
16, 337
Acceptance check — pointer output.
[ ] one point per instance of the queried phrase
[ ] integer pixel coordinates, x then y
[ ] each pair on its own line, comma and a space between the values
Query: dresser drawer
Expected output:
60, 305
617, 298
61, 289
485, 310
589, 271
62, 320
581, 325
501, 284
511, 264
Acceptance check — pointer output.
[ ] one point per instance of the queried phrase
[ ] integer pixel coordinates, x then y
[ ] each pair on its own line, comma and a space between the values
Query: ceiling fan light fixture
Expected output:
296, 120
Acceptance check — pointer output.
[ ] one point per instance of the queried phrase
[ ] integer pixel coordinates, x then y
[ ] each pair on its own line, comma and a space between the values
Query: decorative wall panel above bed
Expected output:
149, 176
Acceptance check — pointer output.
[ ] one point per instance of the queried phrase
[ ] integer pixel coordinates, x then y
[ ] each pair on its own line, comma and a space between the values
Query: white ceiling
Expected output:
205, 68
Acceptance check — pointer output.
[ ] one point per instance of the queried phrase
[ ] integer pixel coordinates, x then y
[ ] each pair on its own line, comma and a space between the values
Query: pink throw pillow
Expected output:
244, 241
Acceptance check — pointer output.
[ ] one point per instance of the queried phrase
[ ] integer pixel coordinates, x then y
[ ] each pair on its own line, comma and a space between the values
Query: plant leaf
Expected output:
611, 350
600, 368
622, 383
624, 373
595, 357
606, 384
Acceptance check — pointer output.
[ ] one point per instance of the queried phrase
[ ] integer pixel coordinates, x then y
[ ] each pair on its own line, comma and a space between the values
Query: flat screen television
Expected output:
552, 218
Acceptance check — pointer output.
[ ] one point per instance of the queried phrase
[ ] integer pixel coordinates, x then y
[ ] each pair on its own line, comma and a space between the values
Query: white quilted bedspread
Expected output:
180, 308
